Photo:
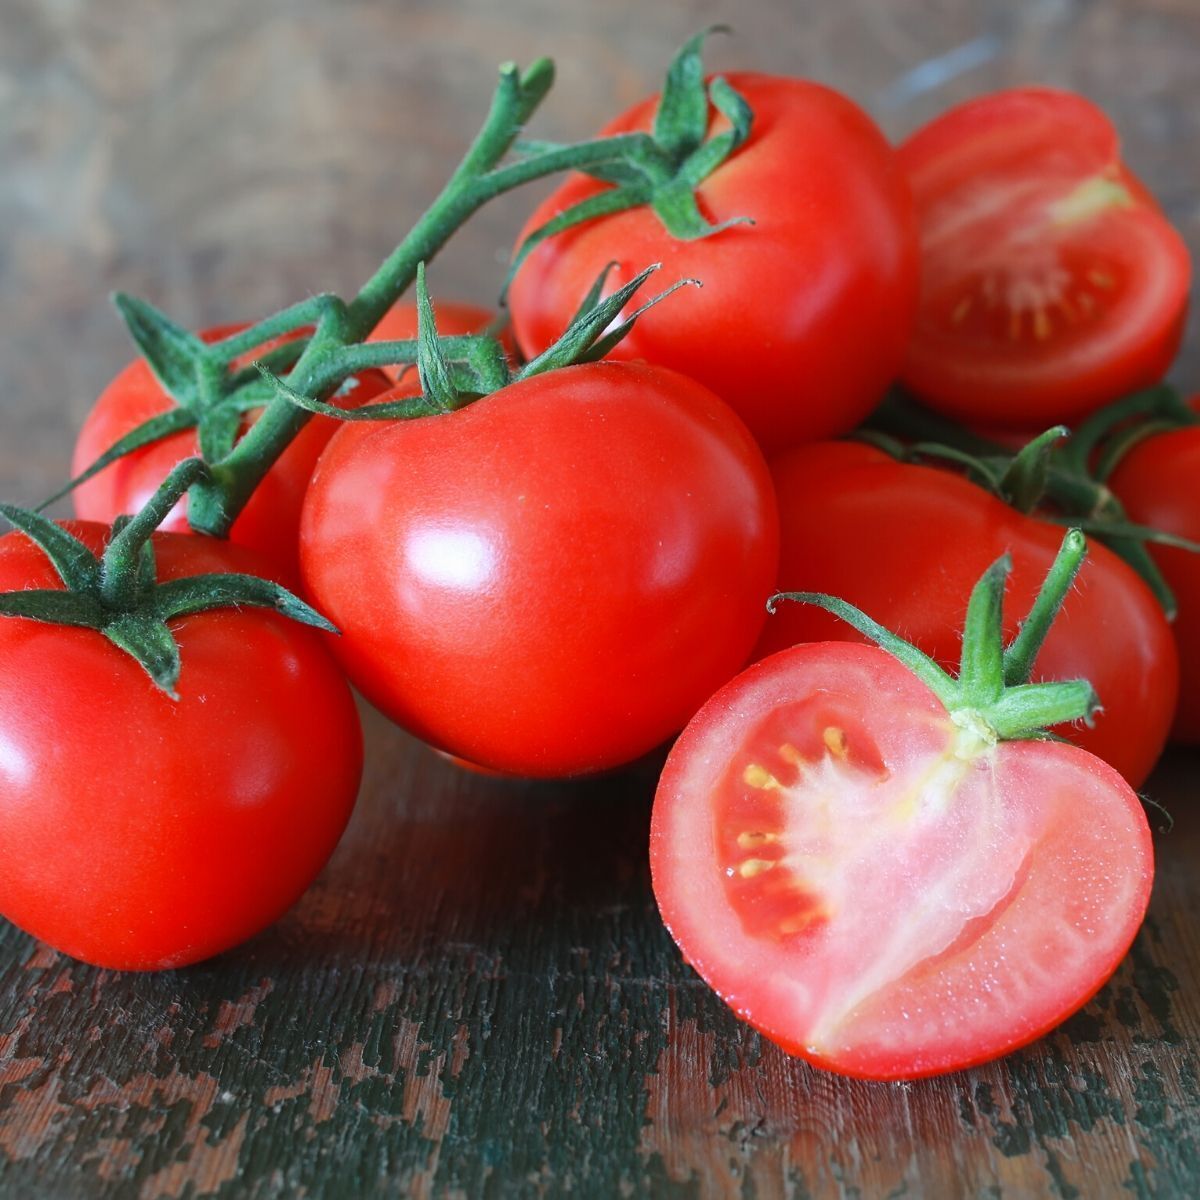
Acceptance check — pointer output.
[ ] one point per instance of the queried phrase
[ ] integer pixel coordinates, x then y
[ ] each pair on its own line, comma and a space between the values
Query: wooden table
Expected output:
477, 997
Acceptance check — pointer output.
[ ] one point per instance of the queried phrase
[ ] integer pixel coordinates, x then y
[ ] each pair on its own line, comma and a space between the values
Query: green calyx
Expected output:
663, 169
118, 594
991, 695
1059, 475
480, 366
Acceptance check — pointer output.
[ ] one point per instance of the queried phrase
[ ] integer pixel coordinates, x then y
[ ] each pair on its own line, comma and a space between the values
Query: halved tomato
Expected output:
1051, 281
878, 888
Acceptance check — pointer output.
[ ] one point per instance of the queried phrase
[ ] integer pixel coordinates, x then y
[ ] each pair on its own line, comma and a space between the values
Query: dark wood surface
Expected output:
477, 997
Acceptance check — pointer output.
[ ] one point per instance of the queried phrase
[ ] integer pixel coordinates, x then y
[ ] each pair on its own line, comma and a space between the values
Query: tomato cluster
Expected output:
548, 554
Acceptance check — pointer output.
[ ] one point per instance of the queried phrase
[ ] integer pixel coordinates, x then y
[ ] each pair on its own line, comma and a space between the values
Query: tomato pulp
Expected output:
905, 544
551, 580
876, 889
804, 317
140, 832
1051, 282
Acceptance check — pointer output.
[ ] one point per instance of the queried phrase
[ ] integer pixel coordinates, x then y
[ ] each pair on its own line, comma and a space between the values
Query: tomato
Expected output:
551, 580
399, 324
1051, 281
804, 317
876, 889
905, 543
1156, 482
139, 832
267, 524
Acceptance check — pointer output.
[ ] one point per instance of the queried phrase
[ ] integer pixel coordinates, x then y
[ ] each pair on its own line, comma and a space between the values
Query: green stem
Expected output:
216, 503
1023, 650
1161, 401
287, 320
119, 583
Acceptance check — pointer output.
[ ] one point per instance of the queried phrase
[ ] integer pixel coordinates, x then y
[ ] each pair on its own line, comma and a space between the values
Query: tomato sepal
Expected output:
662, 170
991, 698
596, 328
118, 595
909, 432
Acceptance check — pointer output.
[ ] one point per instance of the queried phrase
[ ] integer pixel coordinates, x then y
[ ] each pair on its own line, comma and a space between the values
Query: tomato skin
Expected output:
1156, 482
906, 543
550, 581
268, 524
951, 926
142, 833
1051, 281
399, 324
779, 328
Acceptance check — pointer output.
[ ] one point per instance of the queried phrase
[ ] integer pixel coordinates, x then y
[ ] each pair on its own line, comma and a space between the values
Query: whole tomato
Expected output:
140, 832
804, 317
551, 580
1156, 482
268, 523
905, 543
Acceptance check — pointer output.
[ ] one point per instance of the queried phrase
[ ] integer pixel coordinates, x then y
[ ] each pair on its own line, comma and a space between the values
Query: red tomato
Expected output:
138, 832
1051, 283
399, 324
268, 523
873, 887
551, 580
1156, 482
804, 317
906, 543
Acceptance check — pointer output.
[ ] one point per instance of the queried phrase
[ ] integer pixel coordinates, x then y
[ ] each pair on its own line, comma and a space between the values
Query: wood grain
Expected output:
477, 998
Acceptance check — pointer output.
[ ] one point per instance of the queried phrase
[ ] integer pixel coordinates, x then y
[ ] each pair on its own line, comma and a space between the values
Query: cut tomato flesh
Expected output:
873, 886
1051, 282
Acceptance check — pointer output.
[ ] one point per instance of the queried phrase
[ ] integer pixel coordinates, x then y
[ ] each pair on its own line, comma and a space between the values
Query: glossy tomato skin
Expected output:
1156, 482
142, 833
550, 581
1051, 281
906, 543
804, 317
269, 522
452, 317
874, 892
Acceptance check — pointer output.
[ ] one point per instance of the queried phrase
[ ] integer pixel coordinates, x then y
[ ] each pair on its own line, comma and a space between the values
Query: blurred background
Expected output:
223, 158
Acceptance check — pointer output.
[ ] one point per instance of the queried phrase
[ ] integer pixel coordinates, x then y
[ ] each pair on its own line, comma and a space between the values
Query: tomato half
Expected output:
788, 305
399, 324
906, 543
551, 580
1156, 482
139, 832
269, 522
872, 887
1051, 282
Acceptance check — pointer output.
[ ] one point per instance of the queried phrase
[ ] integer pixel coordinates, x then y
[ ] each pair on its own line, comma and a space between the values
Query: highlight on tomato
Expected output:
1051, 281
904, 542
786, 201
180, 757
551, 574
887, 870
